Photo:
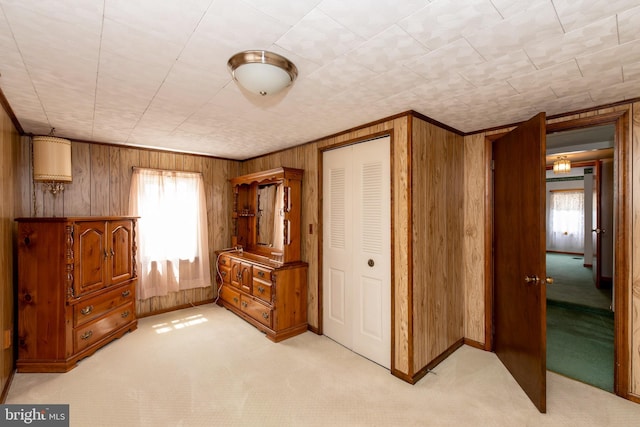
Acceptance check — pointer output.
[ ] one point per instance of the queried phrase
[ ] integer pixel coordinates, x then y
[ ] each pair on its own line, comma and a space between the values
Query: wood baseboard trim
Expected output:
475, 344
632, 397
401, 375
7, 386
412, 379
314, 329
174, 308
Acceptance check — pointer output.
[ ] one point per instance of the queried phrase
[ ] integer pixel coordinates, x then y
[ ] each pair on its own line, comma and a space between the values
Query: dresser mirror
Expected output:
266, 213
270, 216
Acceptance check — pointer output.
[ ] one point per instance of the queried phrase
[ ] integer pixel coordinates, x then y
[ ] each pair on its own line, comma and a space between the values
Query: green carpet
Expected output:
580, 330
574, 283
580, 344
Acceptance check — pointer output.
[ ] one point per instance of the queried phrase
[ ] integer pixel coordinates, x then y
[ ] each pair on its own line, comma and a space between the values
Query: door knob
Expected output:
549, 280
532, 279
370, 263
598, 231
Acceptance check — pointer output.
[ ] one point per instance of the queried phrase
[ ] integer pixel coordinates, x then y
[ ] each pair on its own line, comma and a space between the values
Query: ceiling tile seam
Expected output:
176, 59
530, 60
13, 36
362, 40
269, 15
497, 10
95, 90
472, 47
429, 50
467, 80
172, 132
175, 129
578, 65
555, 10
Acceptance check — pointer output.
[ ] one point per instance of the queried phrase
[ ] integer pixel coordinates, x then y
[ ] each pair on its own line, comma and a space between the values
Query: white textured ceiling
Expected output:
153, 72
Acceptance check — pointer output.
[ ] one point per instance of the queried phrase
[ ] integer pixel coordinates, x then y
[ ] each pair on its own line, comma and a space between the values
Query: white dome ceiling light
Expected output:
262, 72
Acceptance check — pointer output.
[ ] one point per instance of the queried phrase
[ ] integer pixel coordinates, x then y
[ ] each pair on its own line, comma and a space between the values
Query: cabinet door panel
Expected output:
120, 258
90, 252
246, 277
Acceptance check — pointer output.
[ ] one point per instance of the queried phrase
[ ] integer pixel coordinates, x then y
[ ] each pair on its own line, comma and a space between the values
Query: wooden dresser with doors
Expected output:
262, 278
76, 288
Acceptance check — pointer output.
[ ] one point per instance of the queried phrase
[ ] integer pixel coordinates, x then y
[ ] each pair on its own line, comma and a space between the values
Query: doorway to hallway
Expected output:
580, 317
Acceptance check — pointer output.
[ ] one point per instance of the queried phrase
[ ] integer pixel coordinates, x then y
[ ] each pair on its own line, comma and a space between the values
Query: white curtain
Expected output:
172, 239
565, 231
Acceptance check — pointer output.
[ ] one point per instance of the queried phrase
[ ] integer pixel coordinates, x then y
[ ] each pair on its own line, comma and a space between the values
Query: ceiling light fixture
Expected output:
562, 165
262, 72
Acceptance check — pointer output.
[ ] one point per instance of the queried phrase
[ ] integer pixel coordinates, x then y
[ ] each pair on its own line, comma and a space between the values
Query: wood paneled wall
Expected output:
307, 157
437, 201
101, 181
9, 144
427, 234
474, 254
473, 258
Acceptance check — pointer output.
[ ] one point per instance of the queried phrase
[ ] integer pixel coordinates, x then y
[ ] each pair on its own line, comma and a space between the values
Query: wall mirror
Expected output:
270, 216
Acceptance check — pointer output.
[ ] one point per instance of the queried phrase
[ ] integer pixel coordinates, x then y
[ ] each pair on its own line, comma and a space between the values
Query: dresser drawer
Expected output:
92, 332
257, 310
261, 289
261, 273
92, 308
231, 296
224, 260
224, 273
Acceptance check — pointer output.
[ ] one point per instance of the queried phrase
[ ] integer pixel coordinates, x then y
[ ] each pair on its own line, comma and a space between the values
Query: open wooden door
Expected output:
520, 339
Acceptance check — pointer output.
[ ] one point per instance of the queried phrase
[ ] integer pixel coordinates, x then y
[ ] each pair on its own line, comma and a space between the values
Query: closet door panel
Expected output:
357, 250
372, 250
337, 183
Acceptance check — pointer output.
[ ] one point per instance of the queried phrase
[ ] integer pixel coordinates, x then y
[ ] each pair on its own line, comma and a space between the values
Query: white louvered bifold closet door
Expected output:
357, 248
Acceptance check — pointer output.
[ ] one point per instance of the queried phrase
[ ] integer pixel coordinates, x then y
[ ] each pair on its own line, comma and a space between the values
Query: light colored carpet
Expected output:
203, 366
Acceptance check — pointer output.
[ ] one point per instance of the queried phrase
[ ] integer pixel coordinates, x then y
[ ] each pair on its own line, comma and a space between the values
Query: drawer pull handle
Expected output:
265, 315
261, 273
87, 310
244, 304
235, 299
125, 314
223, 273
126, 293
86, 335
261, 289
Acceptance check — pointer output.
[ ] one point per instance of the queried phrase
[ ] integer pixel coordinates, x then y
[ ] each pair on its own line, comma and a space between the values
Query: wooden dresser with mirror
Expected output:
262, 279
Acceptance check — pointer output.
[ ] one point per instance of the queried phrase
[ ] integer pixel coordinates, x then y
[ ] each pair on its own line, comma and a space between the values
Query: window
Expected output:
173, 250
565, 232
